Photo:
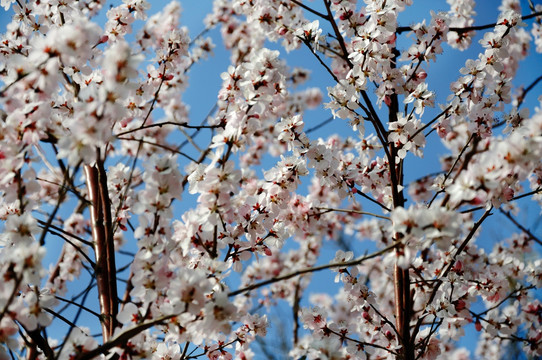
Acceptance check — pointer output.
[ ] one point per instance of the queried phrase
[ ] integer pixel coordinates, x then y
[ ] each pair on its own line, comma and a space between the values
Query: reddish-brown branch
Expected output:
102, 235
401, 277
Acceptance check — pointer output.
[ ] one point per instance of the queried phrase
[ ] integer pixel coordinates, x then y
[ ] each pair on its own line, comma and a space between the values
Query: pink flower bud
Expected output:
460, 305
387, 100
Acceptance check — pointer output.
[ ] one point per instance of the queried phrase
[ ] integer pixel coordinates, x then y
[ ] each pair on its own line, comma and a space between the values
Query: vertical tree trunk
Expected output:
401, 278
102, 235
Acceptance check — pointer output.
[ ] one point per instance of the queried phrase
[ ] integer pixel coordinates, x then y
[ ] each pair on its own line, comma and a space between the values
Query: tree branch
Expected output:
311, 270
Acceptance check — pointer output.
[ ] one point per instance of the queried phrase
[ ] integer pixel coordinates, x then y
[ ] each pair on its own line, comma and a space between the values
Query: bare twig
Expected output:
311, 270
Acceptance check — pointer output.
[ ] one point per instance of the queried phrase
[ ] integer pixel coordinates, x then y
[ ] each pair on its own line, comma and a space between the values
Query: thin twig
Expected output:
313, 269
461, 30
353, 211
310, 9
521, 227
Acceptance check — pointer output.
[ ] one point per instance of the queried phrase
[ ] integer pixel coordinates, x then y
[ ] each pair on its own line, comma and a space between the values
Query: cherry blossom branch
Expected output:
123, 337
219, 348
64, 232
337, 33
509, 296
77, 248
317, 13
57, 315
385, 319
489, 26
343, 337
524, 92
307, 42
513, 337
449, 173
468, 157
465, 242
521, 227
175, 151
194, 133
90, 311
21, 77
156, 93
312, 269
51, 217
15, 291
40, 342
295, 312
401, 277
432, 331
359, 192
536, 191
316, 127
374, 116
352, 211
102, 235
173, 123
190, 140
461, 30
370, 111
444, 273
443, 112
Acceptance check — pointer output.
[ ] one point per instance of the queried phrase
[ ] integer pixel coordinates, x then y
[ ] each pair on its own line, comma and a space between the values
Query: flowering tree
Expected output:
93, 155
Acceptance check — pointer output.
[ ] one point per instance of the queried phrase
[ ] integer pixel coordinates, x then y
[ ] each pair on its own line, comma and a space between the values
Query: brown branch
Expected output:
41, 342
524, 92
430, 122
110, 246
509, 296
316, 127
363, 343
173, 123
165, 147
461, 30
449, 173
295, 312
310, 9
351, 211
312, 269
521, 227
102, 234
444, 273
536, 191
64, 232
122, 338
466, 242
